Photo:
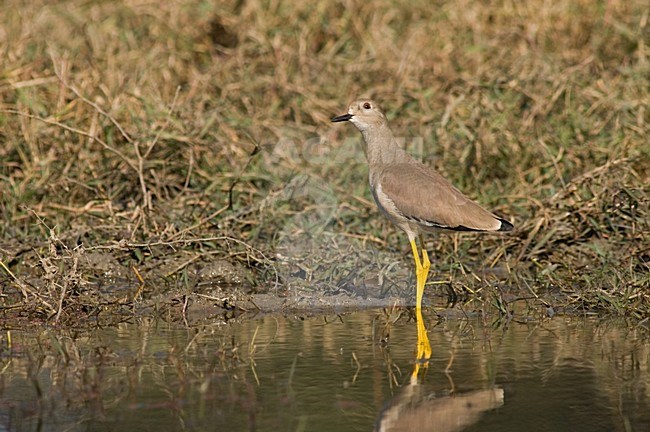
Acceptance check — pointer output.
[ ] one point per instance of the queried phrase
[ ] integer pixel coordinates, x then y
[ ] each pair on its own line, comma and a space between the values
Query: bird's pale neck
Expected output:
381, 146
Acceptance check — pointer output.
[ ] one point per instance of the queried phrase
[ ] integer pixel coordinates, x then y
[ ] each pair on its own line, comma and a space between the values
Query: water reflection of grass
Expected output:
149, 373
124, 126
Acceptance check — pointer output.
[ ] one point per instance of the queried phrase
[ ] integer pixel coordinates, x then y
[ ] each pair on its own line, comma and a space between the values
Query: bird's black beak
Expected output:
344, 117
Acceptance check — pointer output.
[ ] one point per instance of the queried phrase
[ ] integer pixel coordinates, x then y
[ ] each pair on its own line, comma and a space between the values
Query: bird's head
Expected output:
364, 114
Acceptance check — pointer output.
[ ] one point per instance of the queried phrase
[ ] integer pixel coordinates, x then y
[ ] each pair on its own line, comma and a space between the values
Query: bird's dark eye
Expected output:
366, 105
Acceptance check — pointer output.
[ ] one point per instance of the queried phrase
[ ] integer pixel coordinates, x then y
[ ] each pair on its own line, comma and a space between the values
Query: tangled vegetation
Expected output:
157, 155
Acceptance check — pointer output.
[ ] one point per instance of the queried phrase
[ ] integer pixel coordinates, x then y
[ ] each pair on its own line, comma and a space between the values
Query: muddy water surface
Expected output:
327, 373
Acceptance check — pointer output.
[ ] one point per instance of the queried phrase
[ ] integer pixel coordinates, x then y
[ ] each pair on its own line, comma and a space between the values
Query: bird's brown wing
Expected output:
423, 196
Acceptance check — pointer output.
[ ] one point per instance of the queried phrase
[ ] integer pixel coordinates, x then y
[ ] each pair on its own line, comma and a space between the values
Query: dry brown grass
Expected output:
207, 124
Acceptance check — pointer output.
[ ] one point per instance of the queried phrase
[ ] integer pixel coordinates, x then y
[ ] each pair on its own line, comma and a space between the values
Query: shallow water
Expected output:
327, 373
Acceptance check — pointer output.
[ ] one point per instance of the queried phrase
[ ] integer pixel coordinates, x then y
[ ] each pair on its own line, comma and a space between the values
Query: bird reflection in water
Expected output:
417, 408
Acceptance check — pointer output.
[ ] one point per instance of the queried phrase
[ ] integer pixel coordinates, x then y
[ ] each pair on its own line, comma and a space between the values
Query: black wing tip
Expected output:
461, 228
505, 225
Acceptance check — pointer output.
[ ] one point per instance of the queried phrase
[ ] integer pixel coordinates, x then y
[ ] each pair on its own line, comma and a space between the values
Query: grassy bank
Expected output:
153, 152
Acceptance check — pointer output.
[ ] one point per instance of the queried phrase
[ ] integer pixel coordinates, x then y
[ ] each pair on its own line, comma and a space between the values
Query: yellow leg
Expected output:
426, 265
421, 272
424, 347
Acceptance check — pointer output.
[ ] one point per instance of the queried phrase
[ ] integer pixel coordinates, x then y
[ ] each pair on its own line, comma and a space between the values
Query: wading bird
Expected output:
413, 196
